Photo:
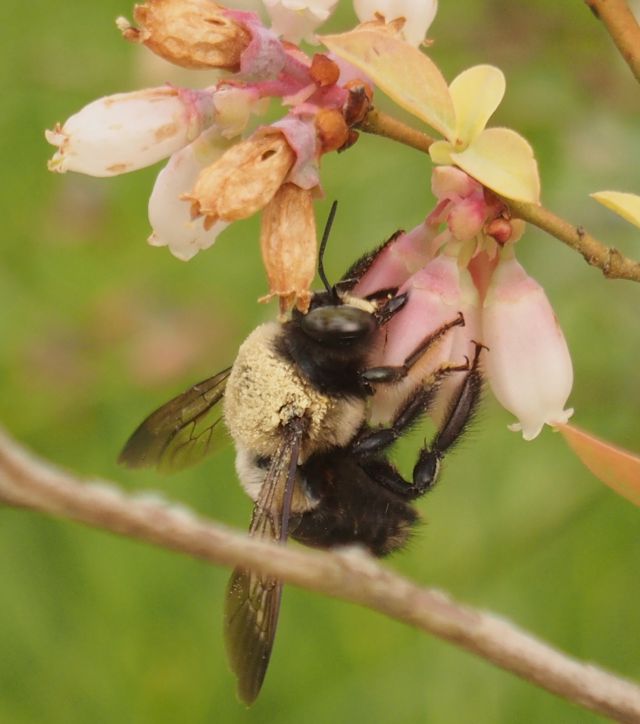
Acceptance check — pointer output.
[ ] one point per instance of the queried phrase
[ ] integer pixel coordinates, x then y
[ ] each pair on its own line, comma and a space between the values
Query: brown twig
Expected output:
609, 260
613, 264
380, 124
623, 29
28, 482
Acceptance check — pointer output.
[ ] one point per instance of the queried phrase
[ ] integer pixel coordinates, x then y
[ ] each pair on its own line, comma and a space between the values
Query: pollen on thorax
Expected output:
264, 392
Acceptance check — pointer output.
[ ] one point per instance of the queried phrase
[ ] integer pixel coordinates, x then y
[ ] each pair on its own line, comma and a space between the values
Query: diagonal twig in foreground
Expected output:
26, 481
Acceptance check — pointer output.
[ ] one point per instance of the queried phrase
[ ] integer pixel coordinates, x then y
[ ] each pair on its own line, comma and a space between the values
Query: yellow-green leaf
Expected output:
503, 161
614, 466
623, 204
404, 73
476, 94
440, 152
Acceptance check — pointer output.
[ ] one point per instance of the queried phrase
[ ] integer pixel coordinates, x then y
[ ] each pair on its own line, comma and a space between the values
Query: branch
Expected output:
613, 264
623, 29
351, 575
380, 124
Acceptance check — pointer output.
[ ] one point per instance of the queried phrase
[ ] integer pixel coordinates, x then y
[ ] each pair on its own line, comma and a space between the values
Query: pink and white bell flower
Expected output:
405, 253
171, 220
435, 298
296, 20
471, 271
463, 345
418, 15
528, 363
127, 131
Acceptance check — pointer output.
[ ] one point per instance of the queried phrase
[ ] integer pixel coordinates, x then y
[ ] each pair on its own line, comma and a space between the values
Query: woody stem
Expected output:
612, 263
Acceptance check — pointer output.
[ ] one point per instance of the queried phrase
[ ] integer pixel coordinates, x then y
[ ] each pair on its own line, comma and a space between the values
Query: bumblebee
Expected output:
295, 403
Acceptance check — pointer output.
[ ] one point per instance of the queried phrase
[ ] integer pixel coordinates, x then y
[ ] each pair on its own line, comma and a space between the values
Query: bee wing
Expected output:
181, 432
253, 599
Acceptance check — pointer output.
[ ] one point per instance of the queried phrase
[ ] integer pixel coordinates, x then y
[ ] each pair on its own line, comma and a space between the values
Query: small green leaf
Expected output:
623, 204
614, 466
502, 160
476, 94
404, 73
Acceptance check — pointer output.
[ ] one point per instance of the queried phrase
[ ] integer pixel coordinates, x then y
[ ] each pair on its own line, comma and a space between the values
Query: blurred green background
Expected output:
98, 328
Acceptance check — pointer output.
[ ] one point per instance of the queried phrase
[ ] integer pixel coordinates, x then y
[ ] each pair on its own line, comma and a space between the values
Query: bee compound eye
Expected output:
338, 324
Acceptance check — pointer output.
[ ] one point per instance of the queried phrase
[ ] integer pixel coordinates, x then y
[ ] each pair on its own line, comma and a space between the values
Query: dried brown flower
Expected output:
332, 129
243, 180
288, 243
358, 103
323, 70
189, 33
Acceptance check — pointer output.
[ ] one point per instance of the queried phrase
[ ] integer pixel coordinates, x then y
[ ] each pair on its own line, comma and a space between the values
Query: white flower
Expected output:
528, 362
170, 217
418, 14
127, 131
297, 20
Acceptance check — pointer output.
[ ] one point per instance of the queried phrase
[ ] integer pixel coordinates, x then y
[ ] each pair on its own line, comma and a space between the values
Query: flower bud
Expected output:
462, 203
189, 33
243, 180
288, 243
500, 229
128, 131
528, 362
471, 211
418, 15
297, 20
169, 216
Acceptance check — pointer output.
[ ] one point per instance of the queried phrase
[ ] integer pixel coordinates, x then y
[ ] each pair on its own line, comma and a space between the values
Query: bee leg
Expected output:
384, 473
374, 441
390, 374
459, 414
391, 308
370, 443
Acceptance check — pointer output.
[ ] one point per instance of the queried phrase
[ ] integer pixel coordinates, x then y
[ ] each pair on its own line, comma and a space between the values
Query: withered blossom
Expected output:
189, 33
244, 179
288, 244
324, 71
332, 129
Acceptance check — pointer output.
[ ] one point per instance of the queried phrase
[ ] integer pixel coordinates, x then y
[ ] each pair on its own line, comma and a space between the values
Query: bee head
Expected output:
336, 320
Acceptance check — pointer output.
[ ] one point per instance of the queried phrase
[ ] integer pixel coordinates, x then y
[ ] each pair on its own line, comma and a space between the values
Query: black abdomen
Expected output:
352, 508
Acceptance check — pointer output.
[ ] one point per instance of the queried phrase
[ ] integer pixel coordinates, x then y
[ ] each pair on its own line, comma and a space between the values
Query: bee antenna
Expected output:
323, 246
